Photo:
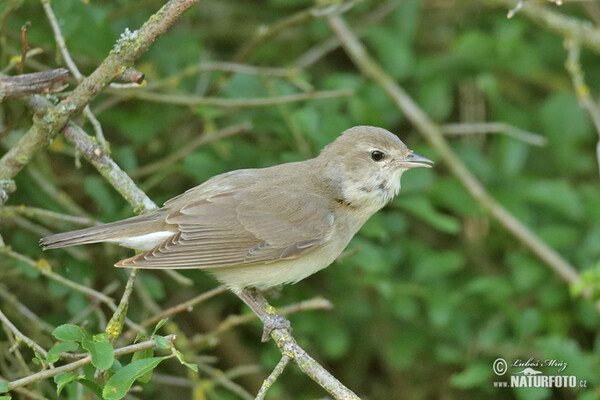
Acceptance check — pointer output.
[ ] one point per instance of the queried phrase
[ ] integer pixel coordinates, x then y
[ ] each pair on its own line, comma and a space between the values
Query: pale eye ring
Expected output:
377, 155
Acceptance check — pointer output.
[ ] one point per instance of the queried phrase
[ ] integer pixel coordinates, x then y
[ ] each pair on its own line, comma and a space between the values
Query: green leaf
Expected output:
558, 196
140, 355
438, 264
161, 342
118, 385
101, 350
3, 387
5, 397
159, 325
63, 347
422, 208
64, 378
179, 356
69, 333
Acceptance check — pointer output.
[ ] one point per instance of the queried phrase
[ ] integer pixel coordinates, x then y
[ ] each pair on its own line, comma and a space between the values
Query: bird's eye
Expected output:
377, 155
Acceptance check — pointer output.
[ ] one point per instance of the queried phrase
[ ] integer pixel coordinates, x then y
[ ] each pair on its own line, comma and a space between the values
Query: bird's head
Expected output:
365, 164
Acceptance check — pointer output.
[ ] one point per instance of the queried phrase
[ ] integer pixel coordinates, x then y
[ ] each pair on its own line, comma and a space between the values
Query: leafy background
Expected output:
432, 290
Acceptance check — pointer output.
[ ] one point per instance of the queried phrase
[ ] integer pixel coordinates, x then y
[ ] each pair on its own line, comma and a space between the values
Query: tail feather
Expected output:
134, 226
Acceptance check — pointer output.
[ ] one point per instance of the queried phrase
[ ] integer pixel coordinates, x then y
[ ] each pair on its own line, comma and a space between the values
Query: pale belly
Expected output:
279, 272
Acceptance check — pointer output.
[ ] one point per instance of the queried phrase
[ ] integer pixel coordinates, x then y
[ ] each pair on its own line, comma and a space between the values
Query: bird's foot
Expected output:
272, 322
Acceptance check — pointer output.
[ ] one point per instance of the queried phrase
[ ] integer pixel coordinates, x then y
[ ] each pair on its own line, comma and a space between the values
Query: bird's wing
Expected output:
240, 227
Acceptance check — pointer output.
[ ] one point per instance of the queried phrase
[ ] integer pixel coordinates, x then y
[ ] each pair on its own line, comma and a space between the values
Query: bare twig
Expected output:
20, 336
289, 348
317, 303
185, 306
60, 40
581, 88
567, 26
222, 379
433, 134
191, 100
25, 47
190, 147
43, 268
239, 69
43, 214
36, 82
494, 127
49, 373
277, 371
108, 169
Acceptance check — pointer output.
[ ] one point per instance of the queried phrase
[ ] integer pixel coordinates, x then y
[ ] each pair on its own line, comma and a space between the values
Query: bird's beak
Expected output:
414, 161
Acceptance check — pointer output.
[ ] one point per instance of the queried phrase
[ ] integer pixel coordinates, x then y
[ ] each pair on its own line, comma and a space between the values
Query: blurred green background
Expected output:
431, 291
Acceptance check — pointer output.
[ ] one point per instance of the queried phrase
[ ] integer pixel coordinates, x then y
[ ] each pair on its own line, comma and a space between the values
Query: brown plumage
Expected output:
263, 227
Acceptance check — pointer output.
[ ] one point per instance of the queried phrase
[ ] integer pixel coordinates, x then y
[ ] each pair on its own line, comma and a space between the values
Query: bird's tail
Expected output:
138, 225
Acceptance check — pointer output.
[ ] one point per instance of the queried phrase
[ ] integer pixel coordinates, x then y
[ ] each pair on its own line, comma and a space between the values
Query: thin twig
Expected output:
317, 303
20, 336
433, 134
43, 268
190, 147
33, 83
60, 40
222, 379
582, 90
191, 100
277, 371
289, 348
87, 112
494, 127
43, 214
555, 21
185, 306
49, 373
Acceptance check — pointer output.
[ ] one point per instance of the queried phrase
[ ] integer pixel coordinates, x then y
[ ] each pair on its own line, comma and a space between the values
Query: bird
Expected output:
260, 228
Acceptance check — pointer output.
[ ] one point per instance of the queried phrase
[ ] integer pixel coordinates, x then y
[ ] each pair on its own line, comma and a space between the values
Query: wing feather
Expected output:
239, 227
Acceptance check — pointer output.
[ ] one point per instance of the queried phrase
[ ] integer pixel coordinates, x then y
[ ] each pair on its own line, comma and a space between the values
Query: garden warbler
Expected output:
265, 227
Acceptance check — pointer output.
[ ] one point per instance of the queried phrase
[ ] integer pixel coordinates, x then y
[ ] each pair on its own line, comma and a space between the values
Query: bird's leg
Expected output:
264, 311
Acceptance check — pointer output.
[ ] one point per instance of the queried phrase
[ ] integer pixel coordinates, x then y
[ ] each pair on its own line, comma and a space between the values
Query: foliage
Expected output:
430, 292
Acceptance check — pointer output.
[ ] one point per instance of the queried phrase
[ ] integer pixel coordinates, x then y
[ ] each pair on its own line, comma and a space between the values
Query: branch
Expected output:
20, 336
433, 134
190, 100
581, 88
317, 303
585, 32
127, 49
49, 373
290, 349
34, 83
494, 127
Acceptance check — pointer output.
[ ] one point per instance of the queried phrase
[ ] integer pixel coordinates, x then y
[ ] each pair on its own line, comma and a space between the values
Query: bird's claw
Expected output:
272, 322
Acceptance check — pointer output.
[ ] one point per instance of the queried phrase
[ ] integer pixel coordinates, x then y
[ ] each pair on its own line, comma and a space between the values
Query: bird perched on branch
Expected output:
265, 227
